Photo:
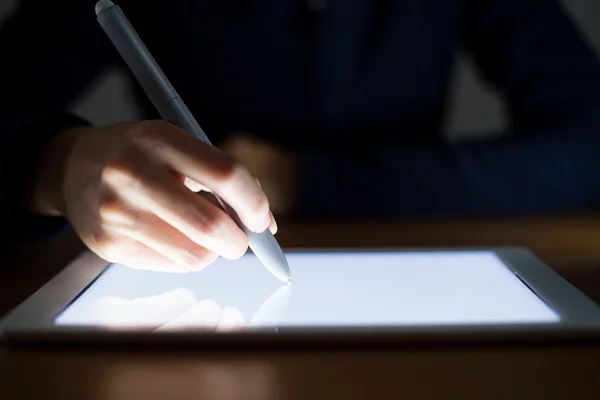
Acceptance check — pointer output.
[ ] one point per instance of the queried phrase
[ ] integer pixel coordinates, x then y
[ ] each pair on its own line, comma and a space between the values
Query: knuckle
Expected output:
115, 214
111, 173
115, 171
208, 224
121, 173
110, 209
229, 173
105, 245
114, 249
205, 223
150, 135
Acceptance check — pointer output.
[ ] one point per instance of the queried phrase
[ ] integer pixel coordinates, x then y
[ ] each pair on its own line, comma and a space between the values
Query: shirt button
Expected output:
316, 5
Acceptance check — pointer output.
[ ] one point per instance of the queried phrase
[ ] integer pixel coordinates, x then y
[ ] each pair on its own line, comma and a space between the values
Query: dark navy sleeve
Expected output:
549, 161
50, 51
22, 144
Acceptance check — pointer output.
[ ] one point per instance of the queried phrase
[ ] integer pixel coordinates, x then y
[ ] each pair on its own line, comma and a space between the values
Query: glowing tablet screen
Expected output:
328, 290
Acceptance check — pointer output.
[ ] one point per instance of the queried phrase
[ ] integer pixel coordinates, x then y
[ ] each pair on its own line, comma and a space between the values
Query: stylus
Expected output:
172, 108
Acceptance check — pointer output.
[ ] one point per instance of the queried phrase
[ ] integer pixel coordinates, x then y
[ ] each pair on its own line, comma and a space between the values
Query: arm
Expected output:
50, 52
125, 189
550, 161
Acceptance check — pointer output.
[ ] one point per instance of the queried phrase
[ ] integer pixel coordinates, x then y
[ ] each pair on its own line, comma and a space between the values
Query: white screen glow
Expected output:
329, 289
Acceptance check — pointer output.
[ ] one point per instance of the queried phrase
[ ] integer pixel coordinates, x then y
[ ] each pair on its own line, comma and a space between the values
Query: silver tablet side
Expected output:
38, 311
33, 319
575, 308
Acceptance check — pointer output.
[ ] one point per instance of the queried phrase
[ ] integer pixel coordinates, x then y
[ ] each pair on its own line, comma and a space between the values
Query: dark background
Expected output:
474, 108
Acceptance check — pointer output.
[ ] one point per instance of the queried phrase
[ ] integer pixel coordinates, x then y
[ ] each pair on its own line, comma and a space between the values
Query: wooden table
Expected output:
571, 245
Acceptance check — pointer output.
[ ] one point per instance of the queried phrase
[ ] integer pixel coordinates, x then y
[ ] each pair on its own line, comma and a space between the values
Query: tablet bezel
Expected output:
33, 319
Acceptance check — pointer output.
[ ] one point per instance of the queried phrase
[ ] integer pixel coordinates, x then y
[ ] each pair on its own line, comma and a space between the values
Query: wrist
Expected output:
45, 194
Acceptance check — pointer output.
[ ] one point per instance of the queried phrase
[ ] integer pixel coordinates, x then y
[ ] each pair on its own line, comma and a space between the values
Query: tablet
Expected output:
335, 296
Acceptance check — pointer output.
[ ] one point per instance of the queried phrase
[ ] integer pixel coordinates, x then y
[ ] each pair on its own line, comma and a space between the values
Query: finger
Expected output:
166, 240
214, 169
137, 255
155, 233
272, 223
154, 190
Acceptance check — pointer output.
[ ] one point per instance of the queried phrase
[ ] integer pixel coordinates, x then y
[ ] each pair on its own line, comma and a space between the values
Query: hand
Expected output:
275, 168
126, 191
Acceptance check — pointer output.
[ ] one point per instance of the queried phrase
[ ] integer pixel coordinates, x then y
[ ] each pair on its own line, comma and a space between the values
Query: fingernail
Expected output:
192, 260
231, 250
